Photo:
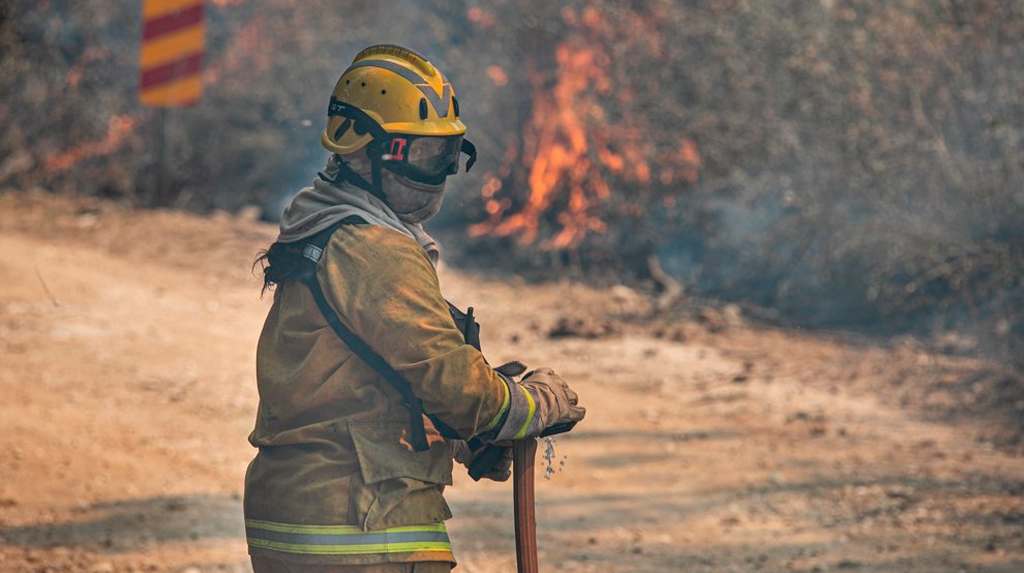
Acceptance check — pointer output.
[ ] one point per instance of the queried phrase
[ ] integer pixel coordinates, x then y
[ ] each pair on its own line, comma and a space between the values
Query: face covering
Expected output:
413, 201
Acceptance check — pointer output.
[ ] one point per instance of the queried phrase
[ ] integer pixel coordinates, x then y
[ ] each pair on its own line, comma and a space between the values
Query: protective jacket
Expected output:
336, 479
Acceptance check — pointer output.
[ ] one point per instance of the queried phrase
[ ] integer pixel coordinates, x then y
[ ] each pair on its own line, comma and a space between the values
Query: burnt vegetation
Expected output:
846, 163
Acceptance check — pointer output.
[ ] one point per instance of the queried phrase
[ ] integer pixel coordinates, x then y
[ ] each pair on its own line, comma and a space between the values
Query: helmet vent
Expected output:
455, 106
423, 108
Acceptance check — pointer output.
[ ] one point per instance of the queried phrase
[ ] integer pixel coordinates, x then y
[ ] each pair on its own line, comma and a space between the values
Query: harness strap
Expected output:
415, 406
313, 251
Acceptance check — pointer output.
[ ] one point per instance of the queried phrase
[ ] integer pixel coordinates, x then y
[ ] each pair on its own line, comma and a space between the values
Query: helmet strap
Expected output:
375, 163
362, 123
345, 173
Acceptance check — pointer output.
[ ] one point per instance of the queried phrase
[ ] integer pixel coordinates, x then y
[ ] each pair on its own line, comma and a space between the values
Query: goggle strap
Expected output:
469, 149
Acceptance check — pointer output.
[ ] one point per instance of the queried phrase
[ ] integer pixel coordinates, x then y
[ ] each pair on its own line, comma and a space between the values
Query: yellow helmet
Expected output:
403, 110
400, 90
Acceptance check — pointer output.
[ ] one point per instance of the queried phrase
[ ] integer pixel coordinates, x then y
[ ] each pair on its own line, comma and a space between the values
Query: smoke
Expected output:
848, 163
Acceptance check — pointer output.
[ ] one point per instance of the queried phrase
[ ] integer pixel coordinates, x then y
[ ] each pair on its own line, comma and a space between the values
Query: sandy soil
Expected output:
126, 374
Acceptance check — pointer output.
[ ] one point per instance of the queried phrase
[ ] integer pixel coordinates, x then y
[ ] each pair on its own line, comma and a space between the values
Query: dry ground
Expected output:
126, 377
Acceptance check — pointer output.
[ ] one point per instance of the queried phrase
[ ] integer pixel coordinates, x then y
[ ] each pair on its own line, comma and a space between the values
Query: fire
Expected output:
118, 129
689, 160
556, 141
481, 17
74, 75
497, 75
569, 144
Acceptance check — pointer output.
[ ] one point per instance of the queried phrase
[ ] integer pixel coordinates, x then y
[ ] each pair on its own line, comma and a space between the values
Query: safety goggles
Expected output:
423, 158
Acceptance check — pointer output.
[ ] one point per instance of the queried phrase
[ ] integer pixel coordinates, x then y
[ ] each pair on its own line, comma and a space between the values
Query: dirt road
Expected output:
126, 375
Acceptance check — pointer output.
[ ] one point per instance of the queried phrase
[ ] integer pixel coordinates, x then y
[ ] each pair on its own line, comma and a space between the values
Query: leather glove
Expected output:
539, 401
462, 453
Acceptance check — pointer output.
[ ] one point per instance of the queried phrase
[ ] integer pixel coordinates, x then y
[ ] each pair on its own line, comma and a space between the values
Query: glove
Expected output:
539, 401
462, 453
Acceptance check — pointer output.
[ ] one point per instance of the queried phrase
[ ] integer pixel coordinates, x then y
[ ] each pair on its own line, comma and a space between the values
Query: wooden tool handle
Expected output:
524, 453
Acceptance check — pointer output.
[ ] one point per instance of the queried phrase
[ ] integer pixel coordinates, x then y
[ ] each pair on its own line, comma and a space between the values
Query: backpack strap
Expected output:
312, 251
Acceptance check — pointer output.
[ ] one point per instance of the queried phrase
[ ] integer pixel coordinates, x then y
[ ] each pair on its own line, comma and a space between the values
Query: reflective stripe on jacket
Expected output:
349, 540
332, 434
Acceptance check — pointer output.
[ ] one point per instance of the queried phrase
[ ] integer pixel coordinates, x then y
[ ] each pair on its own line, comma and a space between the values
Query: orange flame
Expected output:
75, 73
481, 17
569, 142
689, 159
557, 135
118, 129
497, 75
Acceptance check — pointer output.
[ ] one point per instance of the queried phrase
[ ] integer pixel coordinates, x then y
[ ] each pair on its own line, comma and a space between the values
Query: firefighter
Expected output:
369, 381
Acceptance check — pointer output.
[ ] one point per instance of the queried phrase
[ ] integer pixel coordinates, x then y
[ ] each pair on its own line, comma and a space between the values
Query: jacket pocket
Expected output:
397, 486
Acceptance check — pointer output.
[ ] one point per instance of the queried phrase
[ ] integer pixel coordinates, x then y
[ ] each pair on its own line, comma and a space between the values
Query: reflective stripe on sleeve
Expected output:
501, 411
522, 410
346, 539
530, 413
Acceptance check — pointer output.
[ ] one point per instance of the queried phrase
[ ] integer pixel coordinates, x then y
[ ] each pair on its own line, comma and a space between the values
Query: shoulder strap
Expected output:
313, 251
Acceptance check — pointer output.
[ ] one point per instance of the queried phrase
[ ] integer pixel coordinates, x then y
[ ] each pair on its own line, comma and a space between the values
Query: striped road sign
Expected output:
173, 41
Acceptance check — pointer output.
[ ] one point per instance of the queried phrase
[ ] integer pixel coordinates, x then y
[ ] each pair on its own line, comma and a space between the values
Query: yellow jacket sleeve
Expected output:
384, 288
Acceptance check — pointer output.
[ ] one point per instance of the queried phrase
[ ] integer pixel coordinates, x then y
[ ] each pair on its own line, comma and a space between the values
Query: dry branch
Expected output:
671, 289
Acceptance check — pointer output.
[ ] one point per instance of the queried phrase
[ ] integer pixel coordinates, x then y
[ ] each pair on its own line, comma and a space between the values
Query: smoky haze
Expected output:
838, 164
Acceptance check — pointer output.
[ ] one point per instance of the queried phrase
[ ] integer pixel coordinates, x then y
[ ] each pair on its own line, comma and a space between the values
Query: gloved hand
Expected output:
500, 471
537, 402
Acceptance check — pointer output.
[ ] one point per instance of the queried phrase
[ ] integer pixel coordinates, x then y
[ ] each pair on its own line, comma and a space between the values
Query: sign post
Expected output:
170, 65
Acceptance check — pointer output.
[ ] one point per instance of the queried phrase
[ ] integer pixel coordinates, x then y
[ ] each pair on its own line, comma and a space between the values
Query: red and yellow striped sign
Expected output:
173, 41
